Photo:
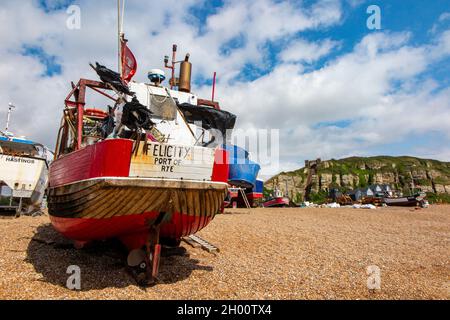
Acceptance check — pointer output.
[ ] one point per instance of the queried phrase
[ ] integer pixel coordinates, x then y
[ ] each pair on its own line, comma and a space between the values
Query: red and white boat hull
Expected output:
92, 197
277, 202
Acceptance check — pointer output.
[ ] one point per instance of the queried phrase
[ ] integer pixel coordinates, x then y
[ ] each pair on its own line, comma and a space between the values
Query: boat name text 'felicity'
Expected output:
158, 150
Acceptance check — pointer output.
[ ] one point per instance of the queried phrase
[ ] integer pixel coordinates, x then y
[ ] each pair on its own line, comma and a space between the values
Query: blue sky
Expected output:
415, 16
50, 62
311, 69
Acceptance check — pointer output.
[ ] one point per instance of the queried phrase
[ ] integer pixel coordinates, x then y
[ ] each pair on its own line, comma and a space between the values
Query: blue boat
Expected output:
243, 171
259, 186
256, 192
17, 140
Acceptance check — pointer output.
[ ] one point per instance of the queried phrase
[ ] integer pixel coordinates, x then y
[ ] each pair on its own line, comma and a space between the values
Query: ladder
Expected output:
194, 239
244, 196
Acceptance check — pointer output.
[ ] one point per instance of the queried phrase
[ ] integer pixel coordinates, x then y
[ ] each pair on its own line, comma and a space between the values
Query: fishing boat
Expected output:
408, 201
23, 172
233, 194
255, 193
146, 171
233, 191
243, 171
277, 200
242, 177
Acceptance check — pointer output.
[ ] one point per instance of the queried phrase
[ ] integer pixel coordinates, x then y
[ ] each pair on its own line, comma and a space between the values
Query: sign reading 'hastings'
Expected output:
19, 160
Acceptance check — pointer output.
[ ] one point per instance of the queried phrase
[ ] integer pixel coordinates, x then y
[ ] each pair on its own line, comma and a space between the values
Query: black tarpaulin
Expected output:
210, 118
135, 115
111, 77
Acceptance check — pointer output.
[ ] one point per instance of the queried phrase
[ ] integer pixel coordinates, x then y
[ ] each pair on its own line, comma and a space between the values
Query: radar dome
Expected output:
156, 75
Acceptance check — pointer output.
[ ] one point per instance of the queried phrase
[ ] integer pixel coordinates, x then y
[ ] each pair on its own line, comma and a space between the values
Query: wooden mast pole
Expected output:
214, 86
119, 31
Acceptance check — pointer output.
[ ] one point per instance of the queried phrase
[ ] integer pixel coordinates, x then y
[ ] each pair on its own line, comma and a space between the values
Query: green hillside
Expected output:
431, 176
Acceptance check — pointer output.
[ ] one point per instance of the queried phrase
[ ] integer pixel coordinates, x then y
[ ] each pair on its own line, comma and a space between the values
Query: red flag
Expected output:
129, 63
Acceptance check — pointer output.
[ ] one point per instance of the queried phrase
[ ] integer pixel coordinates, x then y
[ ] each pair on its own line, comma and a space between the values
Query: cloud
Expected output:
442, 20
355, 3
382, 88
304, 51
376, 88
444, 16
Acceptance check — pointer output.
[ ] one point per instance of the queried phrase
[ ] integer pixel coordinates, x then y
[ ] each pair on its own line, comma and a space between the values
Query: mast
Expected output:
8, 118
119, 45
214, 86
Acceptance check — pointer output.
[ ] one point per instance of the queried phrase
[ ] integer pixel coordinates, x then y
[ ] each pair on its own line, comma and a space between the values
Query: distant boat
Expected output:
235, 196
233, 193
278, 200
23, 173
408, 201
255, 193
243, 171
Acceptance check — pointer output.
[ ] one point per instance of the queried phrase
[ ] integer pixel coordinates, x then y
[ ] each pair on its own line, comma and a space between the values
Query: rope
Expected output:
153, 96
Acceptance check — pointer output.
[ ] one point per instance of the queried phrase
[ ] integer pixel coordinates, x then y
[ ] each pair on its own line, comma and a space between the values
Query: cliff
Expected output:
431, 176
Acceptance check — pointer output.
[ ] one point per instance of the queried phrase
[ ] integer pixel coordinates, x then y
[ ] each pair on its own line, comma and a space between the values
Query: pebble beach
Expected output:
286, 253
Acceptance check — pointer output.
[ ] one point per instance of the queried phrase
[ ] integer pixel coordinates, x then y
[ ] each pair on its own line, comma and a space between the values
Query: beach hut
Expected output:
356, 194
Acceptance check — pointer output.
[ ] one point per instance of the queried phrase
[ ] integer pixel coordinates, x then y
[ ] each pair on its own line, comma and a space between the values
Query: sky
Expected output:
311, 69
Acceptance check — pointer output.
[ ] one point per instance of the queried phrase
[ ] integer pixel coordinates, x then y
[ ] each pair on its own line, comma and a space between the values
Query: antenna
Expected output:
173, 81
11, 107
120, 34
214, 86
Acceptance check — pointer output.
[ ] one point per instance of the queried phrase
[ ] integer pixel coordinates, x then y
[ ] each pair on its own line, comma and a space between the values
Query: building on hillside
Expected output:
381, 190
376, 188
367, 192
360, 193
335, 193
387, 190
356, 194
